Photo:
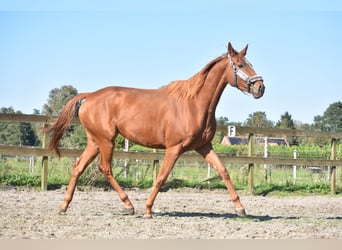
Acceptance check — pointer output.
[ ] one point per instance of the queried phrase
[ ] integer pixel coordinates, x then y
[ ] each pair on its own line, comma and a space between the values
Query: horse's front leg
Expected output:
211, 157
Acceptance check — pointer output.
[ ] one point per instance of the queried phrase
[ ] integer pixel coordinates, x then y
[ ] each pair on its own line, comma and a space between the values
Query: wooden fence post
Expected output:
333, 168
44, 178
250, 165
126, 164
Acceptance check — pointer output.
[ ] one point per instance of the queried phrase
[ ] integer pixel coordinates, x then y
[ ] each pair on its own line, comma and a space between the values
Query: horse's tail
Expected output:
57, 129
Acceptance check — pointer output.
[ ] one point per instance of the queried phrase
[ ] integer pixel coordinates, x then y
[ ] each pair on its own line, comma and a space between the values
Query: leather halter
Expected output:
237, 72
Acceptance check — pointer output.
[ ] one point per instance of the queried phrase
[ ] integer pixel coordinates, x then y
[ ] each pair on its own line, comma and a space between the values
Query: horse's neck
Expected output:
213, 87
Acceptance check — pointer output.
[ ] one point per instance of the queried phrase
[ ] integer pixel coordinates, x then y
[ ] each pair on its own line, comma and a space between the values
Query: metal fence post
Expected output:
294, 168
266, 156
208, 174
126, 165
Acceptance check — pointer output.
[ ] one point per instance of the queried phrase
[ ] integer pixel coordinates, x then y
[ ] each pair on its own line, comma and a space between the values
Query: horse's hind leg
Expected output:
171, 156
87, 157
105, 167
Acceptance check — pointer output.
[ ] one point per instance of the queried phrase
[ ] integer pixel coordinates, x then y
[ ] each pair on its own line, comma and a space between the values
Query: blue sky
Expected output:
147, 44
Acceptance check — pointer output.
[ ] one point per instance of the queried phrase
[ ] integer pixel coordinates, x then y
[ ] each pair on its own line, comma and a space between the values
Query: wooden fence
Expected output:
251, 160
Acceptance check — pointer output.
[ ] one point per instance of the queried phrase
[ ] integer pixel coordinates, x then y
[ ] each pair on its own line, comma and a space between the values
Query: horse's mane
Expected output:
189, 88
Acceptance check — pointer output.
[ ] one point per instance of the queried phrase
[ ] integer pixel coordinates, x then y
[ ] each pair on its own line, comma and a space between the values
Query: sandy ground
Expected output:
178, 214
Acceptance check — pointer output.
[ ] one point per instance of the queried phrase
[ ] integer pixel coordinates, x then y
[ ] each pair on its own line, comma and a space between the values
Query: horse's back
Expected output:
125, 109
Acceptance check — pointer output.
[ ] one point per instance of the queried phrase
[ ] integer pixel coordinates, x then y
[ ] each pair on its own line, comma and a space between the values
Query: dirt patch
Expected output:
178, 214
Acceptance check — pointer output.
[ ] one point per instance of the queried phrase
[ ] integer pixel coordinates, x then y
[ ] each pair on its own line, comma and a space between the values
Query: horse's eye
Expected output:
240, 65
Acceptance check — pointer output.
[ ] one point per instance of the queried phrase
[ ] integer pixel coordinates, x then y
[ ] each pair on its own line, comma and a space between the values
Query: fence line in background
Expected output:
251, 160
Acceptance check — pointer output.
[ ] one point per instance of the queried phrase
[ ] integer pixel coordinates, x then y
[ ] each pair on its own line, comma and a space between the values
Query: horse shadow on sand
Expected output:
255, 218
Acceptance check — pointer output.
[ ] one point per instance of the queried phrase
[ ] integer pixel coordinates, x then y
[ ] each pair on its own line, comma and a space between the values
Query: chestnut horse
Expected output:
177, 117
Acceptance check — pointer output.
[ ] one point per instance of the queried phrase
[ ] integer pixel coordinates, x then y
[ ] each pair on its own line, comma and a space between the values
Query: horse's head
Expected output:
241, 73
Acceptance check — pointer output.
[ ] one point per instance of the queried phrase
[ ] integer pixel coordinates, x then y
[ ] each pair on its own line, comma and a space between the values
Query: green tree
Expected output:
75, 138
258, 119
222, 120
285, 121
36, 112
331, 120
17, 133
58, 97
120, 142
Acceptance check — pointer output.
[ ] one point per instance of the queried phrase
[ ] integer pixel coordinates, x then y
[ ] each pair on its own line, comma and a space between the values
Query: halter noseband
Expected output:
237, 72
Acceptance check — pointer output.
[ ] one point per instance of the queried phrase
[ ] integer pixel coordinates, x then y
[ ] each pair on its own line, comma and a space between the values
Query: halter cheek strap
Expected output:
239, 73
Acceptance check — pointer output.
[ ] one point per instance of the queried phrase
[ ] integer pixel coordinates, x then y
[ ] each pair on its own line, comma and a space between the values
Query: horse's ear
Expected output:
244, 51
231, 51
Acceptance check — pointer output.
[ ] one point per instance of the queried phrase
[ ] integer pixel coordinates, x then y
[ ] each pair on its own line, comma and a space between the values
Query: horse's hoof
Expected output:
62, 212
147, 216
129, 211
241, 212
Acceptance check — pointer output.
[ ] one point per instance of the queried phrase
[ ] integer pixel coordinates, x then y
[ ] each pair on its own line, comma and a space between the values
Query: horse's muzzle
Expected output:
257, 89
